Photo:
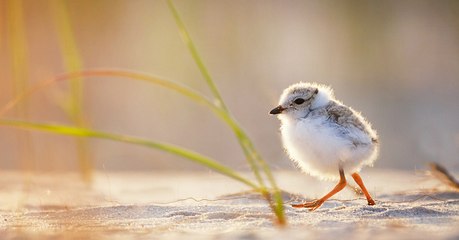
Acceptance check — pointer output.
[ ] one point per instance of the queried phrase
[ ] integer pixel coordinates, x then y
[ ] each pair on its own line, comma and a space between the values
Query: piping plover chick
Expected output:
325, 138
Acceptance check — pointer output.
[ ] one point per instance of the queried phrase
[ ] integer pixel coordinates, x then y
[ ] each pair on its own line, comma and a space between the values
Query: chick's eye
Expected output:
299, 101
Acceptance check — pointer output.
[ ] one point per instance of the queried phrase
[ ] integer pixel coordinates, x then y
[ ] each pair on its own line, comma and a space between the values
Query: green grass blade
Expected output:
73, 63
83, 132
186, 91
243, 139
177, 87
253, 157
190, 93
194, 53
197, 58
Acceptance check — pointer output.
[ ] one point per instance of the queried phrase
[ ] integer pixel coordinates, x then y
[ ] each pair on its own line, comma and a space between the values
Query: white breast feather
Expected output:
318, 150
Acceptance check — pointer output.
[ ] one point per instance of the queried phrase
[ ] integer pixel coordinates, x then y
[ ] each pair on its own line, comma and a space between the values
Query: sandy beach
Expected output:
205, 205
147, 98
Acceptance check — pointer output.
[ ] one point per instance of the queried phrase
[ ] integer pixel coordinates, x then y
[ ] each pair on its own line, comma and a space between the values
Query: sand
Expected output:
205, 205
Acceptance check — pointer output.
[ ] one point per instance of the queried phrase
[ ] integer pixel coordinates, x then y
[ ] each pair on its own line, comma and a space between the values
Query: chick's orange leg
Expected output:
317, 203
359, 181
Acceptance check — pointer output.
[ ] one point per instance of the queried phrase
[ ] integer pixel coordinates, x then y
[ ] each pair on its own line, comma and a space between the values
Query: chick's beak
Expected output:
279, 109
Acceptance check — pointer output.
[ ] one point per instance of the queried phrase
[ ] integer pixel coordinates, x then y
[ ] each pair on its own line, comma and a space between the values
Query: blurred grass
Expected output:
83, 132
73, 63
177, 87
217, 105
17, 43
254, 159
182, 89
2, 20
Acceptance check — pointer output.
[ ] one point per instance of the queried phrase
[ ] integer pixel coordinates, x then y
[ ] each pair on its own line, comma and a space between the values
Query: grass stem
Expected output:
83, 132
254, 159
73, 63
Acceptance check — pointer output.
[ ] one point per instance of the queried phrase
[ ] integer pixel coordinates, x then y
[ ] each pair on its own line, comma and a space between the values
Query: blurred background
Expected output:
395, 61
